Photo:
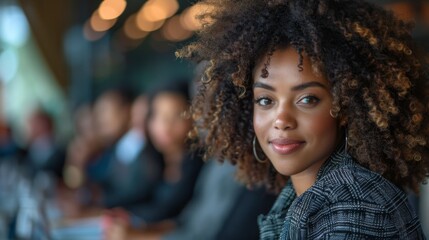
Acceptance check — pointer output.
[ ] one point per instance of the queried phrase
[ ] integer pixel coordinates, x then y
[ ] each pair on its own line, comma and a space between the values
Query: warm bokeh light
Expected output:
174, 31
131, 30
111, 9
100, 25
89, 33
146, 25
188, 18
157, 10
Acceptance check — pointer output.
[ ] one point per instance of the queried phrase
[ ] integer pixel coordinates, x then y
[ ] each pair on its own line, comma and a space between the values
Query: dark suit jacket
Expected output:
170, 198
126, 184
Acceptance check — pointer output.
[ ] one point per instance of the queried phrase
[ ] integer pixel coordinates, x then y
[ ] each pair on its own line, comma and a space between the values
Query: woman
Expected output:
167, 129
340, 124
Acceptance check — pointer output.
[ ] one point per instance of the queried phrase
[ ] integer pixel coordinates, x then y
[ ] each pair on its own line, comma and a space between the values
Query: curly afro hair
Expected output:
378, 81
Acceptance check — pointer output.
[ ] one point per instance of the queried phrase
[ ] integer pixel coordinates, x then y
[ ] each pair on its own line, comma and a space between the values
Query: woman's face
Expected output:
291, 115
167, 126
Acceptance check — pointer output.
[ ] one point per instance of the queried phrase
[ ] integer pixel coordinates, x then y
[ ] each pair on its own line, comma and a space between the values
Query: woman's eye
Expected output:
263, 101
309, 100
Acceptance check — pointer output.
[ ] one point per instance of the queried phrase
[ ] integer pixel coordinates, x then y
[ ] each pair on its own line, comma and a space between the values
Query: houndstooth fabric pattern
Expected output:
347, 201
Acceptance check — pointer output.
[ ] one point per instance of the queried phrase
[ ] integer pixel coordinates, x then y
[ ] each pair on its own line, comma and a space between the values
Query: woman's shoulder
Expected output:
352, 199
352, 182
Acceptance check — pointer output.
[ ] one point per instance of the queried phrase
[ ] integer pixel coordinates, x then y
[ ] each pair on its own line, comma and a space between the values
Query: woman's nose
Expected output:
285, 119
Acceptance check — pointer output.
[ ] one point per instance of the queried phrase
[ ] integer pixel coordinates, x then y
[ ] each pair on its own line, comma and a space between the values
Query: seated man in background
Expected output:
167, 133
90, 154
132, 170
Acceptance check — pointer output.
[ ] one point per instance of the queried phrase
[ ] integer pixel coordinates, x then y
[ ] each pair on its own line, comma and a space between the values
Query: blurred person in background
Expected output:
134, 168
112, 115
44, 151
111, 118
98, 130
167, 131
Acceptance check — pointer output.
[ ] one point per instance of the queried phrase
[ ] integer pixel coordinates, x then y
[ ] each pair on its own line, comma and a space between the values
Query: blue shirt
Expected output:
347, 201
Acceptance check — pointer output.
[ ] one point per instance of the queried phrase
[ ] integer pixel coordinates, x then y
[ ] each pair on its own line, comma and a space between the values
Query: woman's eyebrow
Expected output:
263, 85
307, 85
295, 88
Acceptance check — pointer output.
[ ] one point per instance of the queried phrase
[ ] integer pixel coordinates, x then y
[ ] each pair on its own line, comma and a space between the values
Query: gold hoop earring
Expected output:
332, 114
255, 153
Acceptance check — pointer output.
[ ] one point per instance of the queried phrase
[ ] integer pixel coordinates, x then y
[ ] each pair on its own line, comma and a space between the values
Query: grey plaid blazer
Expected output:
347, 201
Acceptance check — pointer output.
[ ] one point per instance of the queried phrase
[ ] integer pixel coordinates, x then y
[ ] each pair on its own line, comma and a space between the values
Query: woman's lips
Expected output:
285, 146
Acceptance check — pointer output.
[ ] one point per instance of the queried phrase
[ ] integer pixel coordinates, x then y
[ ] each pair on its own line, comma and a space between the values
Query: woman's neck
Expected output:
304, 180
302, 183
